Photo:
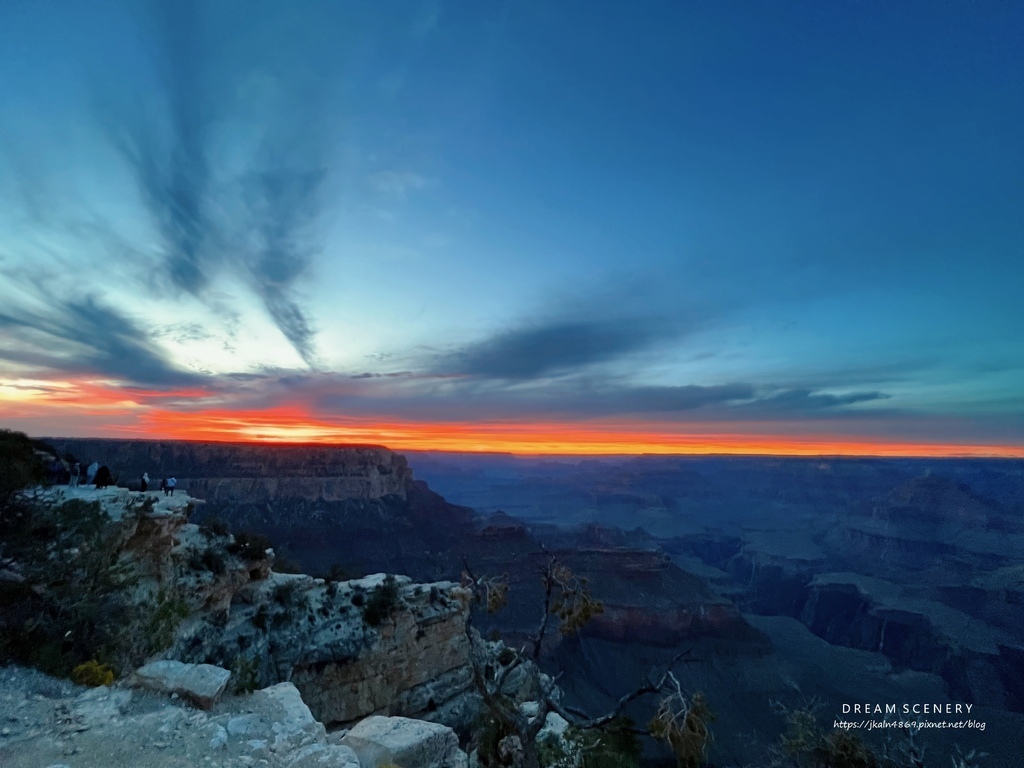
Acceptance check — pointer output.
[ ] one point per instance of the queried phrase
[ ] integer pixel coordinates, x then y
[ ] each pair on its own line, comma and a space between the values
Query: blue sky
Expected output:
801, 218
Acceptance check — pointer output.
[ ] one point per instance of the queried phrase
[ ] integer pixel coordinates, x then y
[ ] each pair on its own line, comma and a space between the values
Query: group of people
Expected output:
100, 475
94, 474
167, 484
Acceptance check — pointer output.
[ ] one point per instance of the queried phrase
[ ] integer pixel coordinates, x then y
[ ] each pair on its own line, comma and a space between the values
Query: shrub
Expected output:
245, 674
284, 592
338, 572
382, 602
20, 467
844, 750
213, 561
250, 546
162, 624
93, 674
615, 746
284, 565
259, 619
74, 606
683, 724
214, 526
488, 734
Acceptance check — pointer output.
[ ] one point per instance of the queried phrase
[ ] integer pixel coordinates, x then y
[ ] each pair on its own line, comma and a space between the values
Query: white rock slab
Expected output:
202, 684
379, 741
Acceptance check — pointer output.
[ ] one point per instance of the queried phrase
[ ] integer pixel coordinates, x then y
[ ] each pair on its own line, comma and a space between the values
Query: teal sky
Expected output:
803, 216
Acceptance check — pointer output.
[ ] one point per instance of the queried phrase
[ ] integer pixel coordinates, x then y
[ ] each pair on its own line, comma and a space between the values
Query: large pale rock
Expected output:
554, 729
379, 741
293, 724
202, 684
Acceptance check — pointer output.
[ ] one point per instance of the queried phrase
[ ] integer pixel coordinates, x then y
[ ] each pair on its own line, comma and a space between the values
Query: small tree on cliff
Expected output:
681, 720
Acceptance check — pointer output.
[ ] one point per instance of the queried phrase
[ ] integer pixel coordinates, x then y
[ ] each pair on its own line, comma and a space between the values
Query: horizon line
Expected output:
855, 450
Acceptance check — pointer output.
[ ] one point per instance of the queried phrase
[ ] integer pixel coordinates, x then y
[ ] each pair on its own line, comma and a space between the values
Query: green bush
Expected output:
488, 734
93, 674
213, 561
614, 746
20, 466
74, 605
382, 602
684, 725
245, 674
214, 527
162, 624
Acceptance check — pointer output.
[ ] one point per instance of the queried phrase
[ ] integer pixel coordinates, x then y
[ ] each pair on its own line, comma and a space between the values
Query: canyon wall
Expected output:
251, 473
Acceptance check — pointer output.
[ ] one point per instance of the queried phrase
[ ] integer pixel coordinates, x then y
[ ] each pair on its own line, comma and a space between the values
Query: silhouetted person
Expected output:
171, 482
76, 472
145, 481
163, 485
103, 477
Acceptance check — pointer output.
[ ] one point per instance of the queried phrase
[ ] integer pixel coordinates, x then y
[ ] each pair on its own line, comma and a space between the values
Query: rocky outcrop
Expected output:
247, 472
218, 603
51, 722
384, 741
412, 662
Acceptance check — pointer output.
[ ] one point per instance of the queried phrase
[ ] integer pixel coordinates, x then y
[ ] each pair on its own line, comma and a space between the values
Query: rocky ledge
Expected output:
49, 722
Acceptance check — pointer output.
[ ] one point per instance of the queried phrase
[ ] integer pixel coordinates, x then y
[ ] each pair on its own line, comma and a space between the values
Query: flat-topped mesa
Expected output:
253, 473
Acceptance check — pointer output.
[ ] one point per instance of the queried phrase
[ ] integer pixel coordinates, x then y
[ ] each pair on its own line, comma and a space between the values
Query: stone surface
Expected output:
380, 741
202, 684
50, 722
325, 756
294, 725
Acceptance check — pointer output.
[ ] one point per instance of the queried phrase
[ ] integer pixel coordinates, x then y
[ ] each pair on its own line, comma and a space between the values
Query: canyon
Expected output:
914, 569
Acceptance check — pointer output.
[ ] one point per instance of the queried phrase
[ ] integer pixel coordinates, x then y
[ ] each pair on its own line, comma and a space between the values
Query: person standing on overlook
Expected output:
145, 481
171, 482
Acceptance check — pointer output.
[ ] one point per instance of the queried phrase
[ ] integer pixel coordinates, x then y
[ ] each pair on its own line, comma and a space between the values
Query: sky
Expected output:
578, 227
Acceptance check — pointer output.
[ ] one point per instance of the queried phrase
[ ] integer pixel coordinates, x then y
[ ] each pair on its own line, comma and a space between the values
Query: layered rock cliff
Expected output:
413, 663
374, 645
250, 473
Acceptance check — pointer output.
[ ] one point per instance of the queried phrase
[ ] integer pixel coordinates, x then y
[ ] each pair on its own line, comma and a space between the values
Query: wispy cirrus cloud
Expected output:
84, 336
556, 347
211, 213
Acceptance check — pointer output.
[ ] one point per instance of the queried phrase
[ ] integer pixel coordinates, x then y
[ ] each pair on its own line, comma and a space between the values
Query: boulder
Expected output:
293, 724
379, 741
554, 729
202, 684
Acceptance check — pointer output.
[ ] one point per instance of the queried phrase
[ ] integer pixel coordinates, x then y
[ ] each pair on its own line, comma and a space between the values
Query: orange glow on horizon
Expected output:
107, 411
291, 425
